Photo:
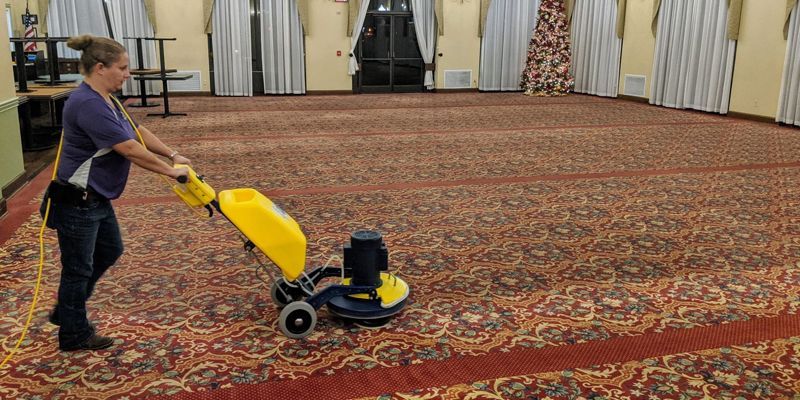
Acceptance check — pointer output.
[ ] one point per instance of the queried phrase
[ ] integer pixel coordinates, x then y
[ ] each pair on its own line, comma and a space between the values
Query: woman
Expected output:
99, 145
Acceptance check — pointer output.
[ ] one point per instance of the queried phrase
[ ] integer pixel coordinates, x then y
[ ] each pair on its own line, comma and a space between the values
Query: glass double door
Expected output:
389, 54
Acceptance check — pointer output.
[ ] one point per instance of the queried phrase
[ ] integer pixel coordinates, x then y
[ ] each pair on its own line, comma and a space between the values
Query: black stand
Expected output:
165, 91
164, 78
52, 58
19, 53
140, 67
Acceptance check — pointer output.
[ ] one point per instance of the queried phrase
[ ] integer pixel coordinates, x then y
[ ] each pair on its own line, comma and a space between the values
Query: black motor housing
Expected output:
365, 257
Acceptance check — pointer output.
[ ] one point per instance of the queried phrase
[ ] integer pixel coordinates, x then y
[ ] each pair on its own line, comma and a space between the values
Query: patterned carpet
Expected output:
560, 248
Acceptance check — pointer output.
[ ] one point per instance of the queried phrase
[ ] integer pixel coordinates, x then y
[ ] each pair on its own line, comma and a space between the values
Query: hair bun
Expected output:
80, 42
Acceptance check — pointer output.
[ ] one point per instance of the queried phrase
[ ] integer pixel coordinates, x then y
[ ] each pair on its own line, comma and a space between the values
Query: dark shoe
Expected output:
55, 320
94, 342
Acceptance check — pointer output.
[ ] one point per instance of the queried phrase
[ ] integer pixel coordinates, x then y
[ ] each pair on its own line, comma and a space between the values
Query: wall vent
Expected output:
457, 78
193, 84
635, 85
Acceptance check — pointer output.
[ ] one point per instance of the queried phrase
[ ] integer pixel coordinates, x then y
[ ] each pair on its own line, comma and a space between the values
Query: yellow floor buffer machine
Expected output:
366, 294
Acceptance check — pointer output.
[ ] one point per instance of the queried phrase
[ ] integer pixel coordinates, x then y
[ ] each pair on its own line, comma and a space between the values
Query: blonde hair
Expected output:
95, 49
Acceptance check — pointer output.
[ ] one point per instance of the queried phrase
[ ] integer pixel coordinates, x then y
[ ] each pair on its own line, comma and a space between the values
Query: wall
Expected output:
17, 9
11, 164
760, 56
638, 45
184, 20
324, 70
460, 46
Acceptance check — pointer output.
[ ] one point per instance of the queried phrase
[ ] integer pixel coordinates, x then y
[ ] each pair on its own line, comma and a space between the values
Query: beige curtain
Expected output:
569, 5
439, 11
208, 8
621, 7
789, 7
734, 18
150, 8
484, 13
302, 9
352, 13
654, 23
44, 8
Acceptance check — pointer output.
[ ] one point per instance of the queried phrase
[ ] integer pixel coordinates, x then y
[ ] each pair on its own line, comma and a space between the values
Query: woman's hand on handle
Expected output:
179, 159
179, 174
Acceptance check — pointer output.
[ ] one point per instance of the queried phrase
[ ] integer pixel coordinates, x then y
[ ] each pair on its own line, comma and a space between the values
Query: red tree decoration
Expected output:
547, 70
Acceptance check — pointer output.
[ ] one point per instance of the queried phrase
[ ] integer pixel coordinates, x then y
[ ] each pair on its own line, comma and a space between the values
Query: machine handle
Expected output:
182, 179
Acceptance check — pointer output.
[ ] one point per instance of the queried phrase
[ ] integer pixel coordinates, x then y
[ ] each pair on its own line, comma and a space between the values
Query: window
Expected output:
390, 5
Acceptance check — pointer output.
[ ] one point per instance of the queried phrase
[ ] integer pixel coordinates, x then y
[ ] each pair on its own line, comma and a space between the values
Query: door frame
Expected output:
358, 86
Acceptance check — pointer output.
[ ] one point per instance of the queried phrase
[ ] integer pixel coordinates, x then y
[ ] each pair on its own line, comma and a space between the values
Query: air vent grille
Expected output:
458, 79
193, 84
635, 85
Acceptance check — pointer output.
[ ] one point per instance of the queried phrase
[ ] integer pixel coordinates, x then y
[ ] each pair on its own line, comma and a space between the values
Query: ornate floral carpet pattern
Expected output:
576, 247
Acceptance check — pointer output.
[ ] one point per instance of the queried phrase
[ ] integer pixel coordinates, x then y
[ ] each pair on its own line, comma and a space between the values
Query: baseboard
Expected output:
470, 90
182, 94
788, 125
636, 99
732, 114
751, 117
328, 92
3, 208
14, 185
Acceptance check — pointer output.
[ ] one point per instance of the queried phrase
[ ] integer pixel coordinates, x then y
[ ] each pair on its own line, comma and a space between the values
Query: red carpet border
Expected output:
521, 363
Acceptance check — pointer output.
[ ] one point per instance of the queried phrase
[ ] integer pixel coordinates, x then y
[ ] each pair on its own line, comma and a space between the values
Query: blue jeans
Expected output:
90, 243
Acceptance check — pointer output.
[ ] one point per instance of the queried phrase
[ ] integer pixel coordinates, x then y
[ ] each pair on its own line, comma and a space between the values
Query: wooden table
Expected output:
48, 135
67, 85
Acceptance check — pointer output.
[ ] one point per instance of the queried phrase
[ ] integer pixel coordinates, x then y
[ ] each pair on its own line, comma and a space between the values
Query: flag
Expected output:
30, 31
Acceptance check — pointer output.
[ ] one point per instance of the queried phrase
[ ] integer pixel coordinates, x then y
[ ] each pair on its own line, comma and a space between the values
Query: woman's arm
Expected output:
133, 151
155, 145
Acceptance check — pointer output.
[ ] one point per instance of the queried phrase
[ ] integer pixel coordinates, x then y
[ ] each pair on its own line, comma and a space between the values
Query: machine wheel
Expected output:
279, 298
297, 319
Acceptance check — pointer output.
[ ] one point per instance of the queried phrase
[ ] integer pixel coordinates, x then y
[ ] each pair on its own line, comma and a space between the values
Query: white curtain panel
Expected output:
129, 19
596, 49
425, 26
504, 49
230, 38
789, 103
10, 24
352, 66
282, 50
67, 18
693, 64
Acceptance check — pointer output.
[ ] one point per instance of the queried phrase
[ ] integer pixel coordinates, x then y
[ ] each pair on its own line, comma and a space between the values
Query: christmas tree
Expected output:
547, 70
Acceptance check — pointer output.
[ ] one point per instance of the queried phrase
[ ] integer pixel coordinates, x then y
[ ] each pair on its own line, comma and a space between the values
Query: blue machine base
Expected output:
362, 310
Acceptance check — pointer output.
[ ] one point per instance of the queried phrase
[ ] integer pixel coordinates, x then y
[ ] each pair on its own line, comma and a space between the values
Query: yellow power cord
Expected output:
41, 264
44, 225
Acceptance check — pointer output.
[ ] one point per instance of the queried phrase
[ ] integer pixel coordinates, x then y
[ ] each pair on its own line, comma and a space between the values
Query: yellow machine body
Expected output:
195, 192
392, 291
270, 228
